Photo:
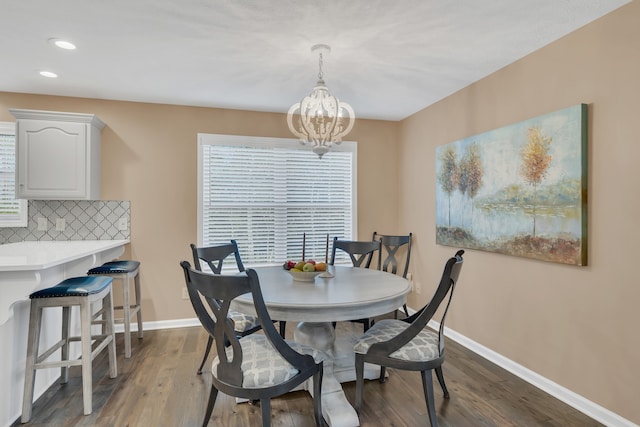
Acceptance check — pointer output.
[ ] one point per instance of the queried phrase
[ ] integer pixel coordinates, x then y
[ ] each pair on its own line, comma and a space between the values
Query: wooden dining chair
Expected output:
213, 257
407, 344
256, 366
396, 255
361, 253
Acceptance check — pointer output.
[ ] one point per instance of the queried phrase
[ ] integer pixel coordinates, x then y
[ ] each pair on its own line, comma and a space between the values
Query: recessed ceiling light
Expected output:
48, 74
63, 44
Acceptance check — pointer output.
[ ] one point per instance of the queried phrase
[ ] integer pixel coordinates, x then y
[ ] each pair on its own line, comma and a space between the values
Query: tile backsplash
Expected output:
84, 220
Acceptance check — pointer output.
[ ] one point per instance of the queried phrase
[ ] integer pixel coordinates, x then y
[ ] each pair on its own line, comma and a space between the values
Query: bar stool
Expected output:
75, 291
124, 271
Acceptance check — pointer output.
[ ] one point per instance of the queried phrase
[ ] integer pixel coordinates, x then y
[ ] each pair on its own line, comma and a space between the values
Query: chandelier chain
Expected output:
320, 73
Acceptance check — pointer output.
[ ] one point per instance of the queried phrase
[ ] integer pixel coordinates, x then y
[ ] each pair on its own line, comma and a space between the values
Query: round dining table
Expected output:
342, 293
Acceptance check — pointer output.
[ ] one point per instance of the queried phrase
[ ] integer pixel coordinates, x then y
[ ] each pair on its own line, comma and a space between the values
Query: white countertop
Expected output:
39, 255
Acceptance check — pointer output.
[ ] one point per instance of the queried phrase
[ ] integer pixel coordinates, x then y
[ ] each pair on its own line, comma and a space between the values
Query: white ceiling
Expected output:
389, 59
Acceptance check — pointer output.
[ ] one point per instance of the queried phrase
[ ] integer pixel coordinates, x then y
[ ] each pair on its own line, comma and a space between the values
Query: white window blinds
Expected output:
265, 193
13, 212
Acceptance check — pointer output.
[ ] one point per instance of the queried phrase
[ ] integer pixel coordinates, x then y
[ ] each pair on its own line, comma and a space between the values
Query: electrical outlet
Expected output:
123, 225
42, 224
185, 293
61, 224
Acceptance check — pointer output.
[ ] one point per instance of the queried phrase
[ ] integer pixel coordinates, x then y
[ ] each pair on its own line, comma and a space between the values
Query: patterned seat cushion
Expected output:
262, 365
423, 347
243, 322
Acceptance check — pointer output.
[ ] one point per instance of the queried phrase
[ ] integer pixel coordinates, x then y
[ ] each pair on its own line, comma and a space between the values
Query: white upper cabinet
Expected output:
57, 155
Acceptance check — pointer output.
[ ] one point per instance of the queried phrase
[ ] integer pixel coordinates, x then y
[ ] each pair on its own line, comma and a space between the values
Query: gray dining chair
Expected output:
361, 253
408, 344
256, 366
395, 252
213, 257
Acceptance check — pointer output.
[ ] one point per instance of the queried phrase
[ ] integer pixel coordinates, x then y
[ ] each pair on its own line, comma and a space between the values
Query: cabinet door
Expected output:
52, 159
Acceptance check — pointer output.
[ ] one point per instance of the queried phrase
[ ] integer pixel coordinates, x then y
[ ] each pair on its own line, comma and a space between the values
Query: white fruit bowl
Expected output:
303, 276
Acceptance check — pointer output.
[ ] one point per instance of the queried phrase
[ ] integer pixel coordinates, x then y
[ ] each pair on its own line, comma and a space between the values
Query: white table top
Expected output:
31, 255
352, 294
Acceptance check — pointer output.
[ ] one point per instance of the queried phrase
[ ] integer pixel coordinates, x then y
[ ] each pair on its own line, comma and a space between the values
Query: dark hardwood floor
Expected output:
158, 386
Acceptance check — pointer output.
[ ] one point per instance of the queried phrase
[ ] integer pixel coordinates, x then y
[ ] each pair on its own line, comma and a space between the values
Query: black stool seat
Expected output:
74, 287
115, 267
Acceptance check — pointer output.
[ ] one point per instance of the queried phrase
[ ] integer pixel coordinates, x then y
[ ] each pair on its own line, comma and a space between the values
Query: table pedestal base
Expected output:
320, 336
340, 368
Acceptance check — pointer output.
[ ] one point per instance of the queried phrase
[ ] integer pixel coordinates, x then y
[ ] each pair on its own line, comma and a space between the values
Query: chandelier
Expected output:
322, 119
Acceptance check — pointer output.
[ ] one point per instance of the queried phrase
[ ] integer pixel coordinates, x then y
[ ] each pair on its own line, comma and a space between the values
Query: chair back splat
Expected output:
240, 366
396, 254
214, 256
360, 252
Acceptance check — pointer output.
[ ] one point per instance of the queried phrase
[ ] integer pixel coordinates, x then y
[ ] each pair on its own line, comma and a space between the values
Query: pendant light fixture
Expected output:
320, 118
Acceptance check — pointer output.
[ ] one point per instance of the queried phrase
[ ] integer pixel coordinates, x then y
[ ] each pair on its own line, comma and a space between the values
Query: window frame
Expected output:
22, 219
204, 139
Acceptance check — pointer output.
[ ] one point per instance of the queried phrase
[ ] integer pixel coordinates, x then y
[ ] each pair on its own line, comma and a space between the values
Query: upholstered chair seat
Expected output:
423, 347
243, 322
262, 365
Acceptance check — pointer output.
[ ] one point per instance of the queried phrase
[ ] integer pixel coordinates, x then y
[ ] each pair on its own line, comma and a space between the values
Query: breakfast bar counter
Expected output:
24, 268
29, 266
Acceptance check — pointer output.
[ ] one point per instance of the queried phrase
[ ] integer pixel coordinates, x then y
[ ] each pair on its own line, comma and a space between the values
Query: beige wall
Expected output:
577, 326
149, 157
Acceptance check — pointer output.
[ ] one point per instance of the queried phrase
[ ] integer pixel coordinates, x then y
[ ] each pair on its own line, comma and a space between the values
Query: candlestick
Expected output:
326, 251
304, 242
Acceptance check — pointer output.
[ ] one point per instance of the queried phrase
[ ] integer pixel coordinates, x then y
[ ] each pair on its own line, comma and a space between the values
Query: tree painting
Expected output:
535, 163
470, 173
448, 175
517, 190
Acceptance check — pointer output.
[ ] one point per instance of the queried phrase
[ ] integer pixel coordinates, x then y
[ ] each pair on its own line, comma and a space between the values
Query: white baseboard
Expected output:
563, 394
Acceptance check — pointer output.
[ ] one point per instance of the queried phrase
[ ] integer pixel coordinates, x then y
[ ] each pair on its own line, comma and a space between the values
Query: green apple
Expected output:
308, 267
299, 265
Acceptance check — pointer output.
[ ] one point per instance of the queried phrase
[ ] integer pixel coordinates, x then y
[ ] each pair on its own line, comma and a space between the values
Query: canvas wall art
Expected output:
518, 190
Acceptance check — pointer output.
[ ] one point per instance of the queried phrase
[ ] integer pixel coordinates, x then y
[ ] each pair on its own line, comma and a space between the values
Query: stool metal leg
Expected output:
35, 318
129, 308
138, 304
107, 304
87, 374
66, 326
126, 313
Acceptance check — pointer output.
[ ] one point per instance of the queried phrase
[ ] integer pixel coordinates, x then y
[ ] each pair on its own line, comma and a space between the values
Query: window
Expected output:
13, 212
266, 192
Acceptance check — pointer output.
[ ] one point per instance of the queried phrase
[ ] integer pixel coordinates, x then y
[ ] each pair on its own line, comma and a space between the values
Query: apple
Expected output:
299, 265
321, 266
308, 267
291, 264
311, 262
